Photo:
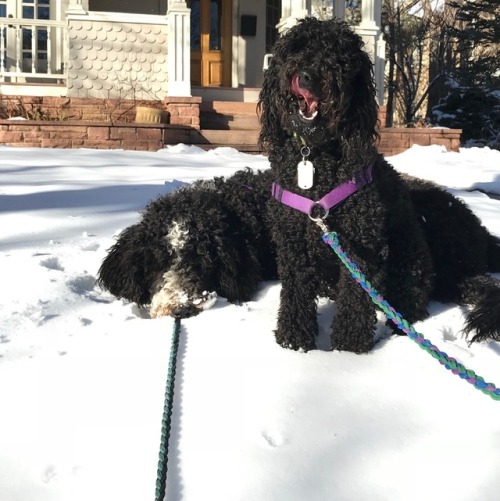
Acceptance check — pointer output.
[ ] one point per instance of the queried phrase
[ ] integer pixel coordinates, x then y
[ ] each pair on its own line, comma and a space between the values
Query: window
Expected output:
273, 15
155, 7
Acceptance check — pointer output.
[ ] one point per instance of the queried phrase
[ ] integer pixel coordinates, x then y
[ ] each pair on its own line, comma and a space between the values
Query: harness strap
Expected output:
330, 200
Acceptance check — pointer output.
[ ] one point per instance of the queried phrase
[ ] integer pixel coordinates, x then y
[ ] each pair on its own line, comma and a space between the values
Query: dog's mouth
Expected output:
308, 101
174, 294
178, 304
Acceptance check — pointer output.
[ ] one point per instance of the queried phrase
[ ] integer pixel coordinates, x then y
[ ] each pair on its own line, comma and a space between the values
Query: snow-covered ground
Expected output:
82, 374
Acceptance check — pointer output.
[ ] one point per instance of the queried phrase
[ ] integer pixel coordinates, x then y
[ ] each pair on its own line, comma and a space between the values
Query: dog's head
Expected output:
319, 87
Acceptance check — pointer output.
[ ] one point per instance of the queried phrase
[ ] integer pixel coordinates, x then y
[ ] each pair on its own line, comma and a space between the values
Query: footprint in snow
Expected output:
449, 334
46, 318
272, 440
90, 247
82, 284
49, 474
52, 263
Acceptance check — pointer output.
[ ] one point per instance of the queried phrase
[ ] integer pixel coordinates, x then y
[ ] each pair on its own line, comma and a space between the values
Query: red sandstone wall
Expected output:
396, 140
108, 123
183, 110
99, 135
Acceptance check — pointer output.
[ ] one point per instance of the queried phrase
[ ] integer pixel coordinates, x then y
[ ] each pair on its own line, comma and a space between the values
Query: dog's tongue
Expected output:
310, 101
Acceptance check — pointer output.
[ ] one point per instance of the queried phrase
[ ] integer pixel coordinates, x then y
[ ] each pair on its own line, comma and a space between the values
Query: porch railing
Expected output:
33, 50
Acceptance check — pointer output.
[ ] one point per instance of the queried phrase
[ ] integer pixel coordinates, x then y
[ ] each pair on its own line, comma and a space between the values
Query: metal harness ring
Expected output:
319, 218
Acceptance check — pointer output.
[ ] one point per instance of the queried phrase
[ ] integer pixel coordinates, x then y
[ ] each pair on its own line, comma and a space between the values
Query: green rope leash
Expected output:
161, 479
331, 238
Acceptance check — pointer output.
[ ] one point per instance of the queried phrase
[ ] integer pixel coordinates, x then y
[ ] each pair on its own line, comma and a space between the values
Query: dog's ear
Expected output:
130, 268
270, 108
359, 115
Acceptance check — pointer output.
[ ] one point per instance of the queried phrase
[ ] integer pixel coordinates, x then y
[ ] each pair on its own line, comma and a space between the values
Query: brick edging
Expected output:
82, 134
395, 140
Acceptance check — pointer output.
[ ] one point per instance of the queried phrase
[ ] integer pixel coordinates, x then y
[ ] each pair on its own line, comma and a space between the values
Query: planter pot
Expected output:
150, 115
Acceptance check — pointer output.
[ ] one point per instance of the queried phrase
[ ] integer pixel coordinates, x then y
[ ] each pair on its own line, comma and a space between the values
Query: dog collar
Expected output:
330, 200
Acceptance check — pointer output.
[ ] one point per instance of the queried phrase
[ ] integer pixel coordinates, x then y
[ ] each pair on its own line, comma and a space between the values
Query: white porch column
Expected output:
291, 11
76, 8
179, 49
370, 31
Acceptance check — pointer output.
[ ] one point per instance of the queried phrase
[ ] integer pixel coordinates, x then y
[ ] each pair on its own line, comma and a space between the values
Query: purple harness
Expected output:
330, 200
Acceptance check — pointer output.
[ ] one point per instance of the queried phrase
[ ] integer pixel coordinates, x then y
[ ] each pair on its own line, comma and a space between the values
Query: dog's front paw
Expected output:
295, 341
348, 344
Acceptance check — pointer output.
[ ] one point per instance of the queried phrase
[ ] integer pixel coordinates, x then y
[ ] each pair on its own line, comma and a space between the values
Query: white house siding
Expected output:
117, 56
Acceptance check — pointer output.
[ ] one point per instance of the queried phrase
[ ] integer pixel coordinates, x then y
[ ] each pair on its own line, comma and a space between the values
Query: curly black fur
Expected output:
223, 247
413, 240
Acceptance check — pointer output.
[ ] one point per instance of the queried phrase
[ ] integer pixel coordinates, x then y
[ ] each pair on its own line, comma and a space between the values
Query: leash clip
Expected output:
321, 224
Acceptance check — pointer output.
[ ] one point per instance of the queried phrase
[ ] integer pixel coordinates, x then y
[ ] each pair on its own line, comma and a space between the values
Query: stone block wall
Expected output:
108, 123
79, 134
181, 110
398, 139
184, 110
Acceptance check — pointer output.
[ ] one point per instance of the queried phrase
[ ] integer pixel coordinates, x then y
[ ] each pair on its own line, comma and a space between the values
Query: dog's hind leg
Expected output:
483, 294
355, 318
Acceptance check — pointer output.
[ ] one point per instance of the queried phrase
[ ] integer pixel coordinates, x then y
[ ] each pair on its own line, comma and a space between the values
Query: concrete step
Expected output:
218, 121
228, 115
229, 107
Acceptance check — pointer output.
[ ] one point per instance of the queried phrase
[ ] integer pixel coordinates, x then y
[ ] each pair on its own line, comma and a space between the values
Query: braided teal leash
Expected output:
331, 238
161, 479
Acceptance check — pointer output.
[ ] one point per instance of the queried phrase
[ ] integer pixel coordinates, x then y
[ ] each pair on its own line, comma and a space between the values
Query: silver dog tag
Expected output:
305, 174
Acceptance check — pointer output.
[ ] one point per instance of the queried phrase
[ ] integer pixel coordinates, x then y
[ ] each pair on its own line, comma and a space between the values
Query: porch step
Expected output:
242, 140
228, 123
228, 115
230, 107
215, 121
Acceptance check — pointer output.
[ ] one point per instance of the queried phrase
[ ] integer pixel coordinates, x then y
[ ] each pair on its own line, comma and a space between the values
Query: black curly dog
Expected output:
414, 241
204, 240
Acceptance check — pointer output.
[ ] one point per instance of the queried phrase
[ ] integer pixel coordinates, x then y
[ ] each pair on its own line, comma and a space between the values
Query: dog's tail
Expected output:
482, 292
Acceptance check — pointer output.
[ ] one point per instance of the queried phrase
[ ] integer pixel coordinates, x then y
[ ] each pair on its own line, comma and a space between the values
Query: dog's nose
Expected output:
306, 79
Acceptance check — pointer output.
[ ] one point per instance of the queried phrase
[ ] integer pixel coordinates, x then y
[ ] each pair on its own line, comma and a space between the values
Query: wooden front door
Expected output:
211, 42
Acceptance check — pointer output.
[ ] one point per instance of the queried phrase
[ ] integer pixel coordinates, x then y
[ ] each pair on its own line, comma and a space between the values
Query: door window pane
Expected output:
195, 25
215, 24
